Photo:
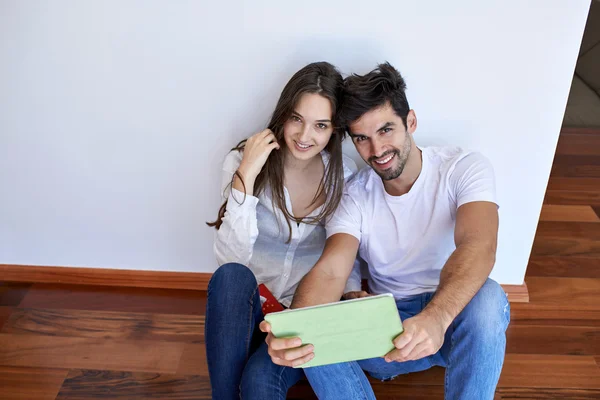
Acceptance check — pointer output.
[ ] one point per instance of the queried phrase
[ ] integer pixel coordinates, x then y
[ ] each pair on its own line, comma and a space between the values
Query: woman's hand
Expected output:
256, 152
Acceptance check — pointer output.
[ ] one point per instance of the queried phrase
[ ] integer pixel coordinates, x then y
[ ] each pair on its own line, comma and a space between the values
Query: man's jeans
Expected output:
472, 353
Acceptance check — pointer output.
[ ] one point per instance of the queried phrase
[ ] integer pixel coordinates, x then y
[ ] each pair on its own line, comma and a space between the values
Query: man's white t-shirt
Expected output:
406, 240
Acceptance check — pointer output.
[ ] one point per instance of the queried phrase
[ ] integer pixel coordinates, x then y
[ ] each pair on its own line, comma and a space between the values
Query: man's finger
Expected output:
280, 361
303, 360
403, 339
422, 354
265, 327
400, 354
418, 352
408, 348
393, 355
284, 343
269, 338
299, 352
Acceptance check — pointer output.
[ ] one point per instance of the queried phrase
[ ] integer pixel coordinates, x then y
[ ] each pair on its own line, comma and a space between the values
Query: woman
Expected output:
278, 186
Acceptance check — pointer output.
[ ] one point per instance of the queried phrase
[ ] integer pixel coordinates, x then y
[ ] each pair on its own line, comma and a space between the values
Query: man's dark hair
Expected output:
363, 93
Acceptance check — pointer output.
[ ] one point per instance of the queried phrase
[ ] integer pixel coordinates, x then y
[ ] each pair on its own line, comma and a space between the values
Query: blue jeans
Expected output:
472, 353
238, 362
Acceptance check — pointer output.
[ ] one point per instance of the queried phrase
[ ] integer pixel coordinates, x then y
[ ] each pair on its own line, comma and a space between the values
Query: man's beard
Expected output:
400, 156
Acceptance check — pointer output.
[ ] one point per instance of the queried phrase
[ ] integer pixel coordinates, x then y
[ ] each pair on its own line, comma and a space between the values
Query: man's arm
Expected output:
323, 284
326, 281
470, 264
464, 273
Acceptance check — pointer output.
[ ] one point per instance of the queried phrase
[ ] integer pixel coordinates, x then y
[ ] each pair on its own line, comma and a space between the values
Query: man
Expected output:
426, 221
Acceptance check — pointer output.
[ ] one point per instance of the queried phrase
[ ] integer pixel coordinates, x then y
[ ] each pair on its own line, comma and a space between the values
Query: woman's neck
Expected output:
292, 164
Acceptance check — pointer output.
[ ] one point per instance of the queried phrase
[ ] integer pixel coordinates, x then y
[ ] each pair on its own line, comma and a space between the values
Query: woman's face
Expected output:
307, 131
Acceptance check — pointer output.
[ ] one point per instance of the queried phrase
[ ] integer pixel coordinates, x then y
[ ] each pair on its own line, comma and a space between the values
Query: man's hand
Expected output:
355, 295
423, 336
288, 352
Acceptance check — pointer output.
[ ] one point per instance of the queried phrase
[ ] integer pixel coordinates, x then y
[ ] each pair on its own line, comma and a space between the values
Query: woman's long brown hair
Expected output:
324, 79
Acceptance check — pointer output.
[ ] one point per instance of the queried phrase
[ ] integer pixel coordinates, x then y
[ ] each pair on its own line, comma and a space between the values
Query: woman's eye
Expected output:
322, 126
295, 119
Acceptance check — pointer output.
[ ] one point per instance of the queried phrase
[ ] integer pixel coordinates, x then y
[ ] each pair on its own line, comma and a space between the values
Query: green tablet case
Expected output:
342, 331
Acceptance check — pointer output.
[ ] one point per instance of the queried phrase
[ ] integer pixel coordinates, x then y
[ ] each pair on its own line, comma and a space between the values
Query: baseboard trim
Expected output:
147, 279
105, 277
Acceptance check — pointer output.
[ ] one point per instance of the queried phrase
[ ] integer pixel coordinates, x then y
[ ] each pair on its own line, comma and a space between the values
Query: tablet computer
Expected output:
342, 331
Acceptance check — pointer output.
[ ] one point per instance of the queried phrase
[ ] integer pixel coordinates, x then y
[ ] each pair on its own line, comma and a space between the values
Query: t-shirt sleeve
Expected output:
473, 179
346, 219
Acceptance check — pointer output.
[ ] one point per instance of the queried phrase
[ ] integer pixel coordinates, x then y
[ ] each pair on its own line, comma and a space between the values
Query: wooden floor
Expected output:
89, 342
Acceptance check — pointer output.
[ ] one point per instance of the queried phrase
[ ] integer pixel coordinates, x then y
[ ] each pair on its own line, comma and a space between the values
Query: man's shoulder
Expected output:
361, 182
447, 157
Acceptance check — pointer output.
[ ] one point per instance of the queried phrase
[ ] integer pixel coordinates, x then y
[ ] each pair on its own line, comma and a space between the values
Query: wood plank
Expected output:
569, 229
382, 390
517, 293
94, 384
567, 197
4, 314
30, 383
433, 376
552, 246
68, 352
193, 360
301, 391
104, 277
579, 131
107, 325
578, 144
551, 212
576, 166
597, 361
106, 298
596, 210
550, 371
557, 266
529, 314
567, 294
557, 339
574, 184
547, 394
12, 293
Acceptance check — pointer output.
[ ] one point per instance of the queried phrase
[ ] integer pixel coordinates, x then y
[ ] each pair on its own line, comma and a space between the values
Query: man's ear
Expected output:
411, 122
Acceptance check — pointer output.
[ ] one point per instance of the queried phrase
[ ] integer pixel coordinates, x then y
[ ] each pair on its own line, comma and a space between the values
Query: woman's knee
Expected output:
232, 279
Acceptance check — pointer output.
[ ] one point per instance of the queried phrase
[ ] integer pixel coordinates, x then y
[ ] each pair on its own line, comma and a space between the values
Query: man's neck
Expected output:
402, 184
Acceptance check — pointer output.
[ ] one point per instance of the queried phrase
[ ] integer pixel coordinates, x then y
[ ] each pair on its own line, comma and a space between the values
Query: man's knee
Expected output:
488, 313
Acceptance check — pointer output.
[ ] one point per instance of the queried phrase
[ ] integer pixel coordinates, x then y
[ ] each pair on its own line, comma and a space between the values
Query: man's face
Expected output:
382, 140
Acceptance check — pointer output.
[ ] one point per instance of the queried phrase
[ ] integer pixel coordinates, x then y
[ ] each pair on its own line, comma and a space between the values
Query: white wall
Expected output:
115, 115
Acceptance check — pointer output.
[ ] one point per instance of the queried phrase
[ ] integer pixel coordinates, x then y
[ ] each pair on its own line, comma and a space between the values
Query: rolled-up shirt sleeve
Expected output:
234, 240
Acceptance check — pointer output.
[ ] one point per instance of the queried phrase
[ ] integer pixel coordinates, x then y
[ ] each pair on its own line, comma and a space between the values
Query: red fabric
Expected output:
271, 304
